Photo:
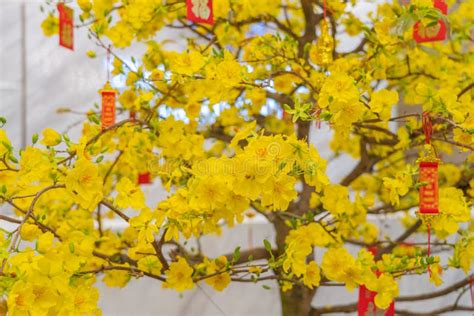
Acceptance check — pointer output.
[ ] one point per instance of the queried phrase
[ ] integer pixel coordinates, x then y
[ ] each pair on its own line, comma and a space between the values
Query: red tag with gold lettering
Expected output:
108, 106
66, 26
429, 191
200, 11
435, 32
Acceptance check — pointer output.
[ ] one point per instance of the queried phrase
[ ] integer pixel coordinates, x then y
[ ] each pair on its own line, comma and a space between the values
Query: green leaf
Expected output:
294, 223
266, 287
99, 159
34, 138
420, 184
94, 119
267, 245
71, 247
3, 121
13, 159
7, 146
236, 256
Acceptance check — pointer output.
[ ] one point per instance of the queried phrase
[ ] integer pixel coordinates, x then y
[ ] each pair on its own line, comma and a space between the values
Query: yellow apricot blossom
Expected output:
312, 275
238, 118
179, 276
29, 232
50, 137
84, 184
129, 195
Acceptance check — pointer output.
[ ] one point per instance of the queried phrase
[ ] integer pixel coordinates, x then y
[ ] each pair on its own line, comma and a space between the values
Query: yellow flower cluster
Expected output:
225, 126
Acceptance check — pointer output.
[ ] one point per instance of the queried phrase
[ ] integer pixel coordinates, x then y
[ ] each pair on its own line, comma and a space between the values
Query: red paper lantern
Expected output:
66, 26
108, 106
200, 11
144, 178
432, 33
366, 305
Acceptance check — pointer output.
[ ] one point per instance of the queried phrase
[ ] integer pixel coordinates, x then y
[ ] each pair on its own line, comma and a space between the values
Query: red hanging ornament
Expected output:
432, 33
66, 26
144, 178
366, 305
428, 177
428, 172
108, 106
429, 191
200, 11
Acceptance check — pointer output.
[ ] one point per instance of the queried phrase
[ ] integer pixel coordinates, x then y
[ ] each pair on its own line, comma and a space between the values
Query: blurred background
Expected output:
38, 77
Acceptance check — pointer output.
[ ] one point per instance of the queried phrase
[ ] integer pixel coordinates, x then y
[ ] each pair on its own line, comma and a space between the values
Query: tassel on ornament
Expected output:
108, 106
432, 33
200, 11
66, 26
428, 177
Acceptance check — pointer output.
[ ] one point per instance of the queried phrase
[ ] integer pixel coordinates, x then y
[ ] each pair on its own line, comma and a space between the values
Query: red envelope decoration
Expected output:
108, 106
366, 305
144, 178
200, 11
429, 192
66, 26
432, 33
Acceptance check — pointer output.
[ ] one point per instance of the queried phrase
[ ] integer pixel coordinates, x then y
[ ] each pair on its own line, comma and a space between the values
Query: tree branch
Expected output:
438, 311
400, 239
115, 210
442, 292
256, 253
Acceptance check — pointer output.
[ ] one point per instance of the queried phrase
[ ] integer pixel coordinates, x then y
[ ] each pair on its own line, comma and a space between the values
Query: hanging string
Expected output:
427, 127
324, 9
108, 63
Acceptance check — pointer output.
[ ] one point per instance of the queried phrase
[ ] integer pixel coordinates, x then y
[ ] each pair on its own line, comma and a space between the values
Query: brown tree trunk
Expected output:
297, 301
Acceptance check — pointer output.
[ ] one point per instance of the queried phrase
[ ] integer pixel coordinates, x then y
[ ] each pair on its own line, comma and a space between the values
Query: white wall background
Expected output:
57, 77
